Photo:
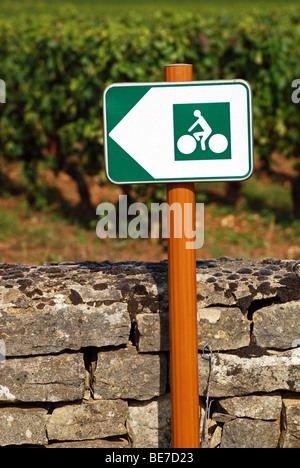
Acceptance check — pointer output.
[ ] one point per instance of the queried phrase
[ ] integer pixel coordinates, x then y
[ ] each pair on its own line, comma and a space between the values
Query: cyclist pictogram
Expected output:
202, 131
187, 144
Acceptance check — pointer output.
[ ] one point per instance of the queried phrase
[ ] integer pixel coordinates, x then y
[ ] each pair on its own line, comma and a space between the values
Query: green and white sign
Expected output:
167, 132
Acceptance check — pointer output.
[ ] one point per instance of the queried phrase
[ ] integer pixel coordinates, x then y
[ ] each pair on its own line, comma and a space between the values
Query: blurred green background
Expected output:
95, 9
56, 59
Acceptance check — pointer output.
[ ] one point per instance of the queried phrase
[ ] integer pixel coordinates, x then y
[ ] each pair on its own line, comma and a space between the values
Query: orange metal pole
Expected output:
183, 307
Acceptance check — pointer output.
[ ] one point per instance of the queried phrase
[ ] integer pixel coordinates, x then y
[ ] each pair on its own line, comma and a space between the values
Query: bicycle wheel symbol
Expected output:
217, 143
186, 144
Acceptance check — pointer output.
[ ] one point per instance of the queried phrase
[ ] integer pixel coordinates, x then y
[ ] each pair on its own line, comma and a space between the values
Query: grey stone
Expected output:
127, 374
267, 407
224, 328
20, 426
291, 422
222, 417
216, 438
249, 433
91, 444
152, 332
43, 379
235, 376
278, 326
53, 308
149, 423
88, 421
65, 306
28, 330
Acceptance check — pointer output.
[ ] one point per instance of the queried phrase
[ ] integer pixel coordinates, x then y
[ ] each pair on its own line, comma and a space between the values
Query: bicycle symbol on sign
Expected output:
187, 144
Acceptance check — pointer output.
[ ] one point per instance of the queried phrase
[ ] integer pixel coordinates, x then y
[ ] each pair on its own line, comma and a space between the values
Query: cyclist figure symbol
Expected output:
187, 144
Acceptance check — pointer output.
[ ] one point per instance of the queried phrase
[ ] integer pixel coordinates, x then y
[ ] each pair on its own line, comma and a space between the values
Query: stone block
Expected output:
30, 330
43, 379
126, 374
267, 407
235, 376
278, 326
152, 332
149, 423
291, 422
19, 426
223, 328
91, 444
88, 421
250, 433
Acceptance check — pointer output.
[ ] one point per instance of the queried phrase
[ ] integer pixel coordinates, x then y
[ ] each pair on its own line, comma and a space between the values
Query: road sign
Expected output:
176, 132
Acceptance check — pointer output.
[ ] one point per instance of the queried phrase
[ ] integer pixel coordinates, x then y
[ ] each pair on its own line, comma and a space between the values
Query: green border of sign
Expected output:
129, 165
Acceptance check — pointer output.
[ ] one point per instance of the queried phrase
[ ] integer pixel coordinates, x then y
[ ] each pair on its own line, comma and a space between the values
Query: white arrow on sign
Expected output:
146, 132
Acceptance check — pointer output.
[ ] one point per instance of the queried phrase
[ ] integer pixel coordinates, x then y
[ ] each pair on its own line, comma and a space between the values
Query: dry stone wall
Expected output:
85, 354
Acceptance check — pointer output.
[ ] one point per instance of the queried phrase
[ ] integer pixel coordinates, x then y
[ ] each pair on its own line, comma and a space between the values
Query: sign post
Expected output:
183, 308
180, 132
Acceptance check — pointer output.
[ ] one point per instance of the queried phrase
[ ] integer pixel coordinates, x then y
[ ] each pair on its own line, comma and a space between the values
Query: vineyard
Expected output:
57, 67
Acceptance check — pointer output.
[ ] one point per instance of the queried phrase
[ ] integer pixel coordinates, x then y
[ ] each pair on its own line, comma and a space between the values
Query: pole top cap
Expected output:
179, 72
